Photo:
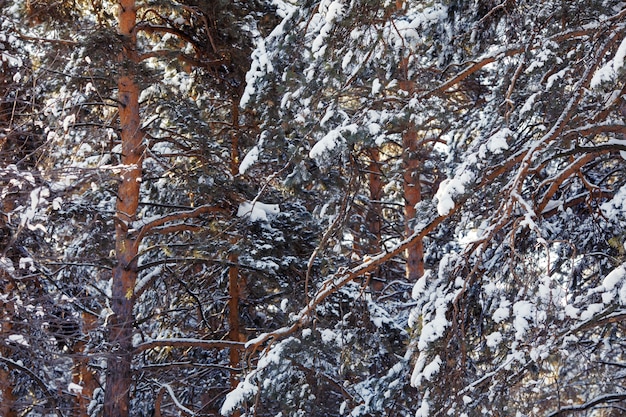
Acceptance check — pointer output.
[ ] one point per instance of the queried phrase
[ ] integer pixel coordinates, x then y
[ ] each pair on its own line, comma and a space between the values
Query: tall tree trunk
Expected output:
374, 216
412, 196
120, 326
7, 397
7, 401
233, 271
82, 375
233, 315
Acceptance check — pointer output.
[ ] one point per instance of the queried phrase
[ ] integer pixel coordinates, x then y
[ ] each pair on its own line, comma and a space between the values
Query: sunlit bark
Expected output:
120, 325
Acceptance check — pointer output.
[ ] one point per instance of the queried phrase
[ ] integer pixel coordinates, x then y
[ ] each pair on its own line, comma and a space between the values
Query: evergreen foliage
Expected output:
313, 208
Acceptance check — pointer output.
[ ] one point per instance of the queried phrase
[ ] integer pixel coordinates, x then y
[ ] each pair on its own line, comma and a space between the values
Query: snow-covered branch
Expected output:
188, 342
50, 396
344, 276
151, 224
602, 399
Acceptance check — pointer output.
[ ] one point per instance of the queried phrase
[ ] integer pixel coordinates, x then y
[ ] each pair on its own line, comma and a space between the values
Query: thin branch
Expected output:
179, 215
168, 365
342, 277
51, 396
607, 398
170, 391
188, 342
194, 259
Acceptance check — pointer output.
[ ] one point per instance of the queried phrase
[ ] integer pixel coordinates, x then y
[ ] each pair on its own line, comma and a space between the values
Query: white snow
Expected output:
19, 339
245, 389
450, 188
27, 262
416, 375
528, 105
329, 142
522, 312
250, 159
332, 10
432, 368
608, 72
424, 410
494, 339
148, 278
346, 60
420, 284
73, 388
571, 311
257, 210
497, 142
434, 329
614, 277
555, 77
376, 85
591, 311
502, 312
328, 336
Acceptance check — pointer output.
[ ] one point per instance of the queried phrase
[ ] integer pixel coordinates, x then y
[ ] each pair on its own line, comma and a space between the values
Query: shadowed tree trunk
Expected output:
120, 325
412, 196
83, 375
233, 271
7, 403
374, 215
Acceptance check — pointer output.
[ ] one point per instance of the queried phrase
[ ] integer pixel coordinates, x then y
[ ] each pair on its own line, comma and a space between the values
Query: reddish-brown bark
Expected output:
233, 271
6, 381
233, 315
374, 215
412, 195
120, 325
82, 374
8, 398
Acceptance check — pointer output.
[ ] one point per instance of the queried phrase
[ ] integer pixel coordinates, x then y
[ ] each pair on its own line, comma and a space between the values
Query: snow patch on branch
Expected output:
250, 159
247, 388
609, 71
331, 141
451, 188
257, 210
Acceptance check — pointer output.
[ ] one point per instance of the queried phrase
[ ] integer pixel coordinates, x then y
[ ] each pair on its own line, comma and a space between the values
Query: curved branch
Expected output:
607, 398
179, 215
51, 396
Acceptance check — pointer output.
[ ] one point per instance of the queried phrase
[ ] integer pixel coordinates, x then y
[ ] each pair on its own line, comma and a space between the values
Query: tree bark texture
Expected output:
412, 196
82, 375
7, 399
233, 316
374, 215
120, 325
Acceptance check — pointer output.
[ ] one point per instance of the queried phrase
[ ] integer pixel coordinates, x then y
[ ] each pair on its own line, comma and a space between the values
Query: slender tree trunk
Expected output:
412, 196
412, 188
234, 144
233, 271
7, 401
374, 215
233, 316
82, 375
120, 326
